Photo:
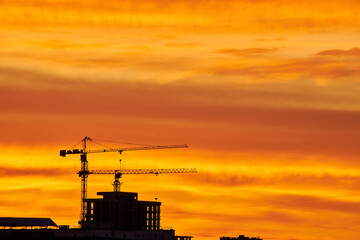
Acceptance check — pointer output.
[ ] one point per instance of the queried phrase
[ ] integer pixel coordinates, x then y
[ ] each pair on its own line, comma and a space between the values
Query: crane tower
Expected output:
84, 172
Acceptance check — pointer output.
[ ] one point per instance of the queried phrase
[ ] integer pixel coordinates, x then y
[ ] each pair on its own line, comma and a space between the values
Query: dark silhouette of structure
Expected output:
118, 173
26, 222
121, 211
240, 237
84, 172
117, 215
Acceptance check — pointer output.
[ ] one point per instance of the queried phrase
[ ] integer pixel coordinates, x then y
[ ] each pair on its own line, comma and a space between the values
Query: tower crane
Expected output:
84, 172
118, 173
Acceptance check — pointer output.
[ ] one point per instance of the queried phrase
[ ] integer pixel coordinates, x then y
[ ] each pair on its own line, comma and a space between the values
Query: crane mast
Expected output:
84, 176
84, 172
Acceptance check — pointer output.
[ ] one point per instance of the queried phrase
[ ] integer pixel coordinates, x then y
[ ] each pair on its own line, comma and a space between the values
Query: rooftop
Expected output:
26, 222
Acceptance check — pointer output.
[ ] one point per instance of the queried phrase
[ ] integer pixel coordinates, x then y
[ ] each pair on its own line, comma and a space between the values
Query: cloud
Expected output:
6, 171
235, 217
263, 16
61, 44
320, 70
181, 45
296, 206
270, 39
44, 202
262, 210
259, 114
353, 52
314, 203
247, 51
281, 180
48, 107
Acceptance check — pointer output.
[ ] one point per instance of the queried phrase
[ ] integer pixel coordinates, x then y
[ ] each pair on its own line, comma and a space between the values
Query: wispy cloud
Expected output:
247, 51
254, 128
62, 44
44, 202
6, 171
270, 39
266, 94
181, 45
353, 52
276, 179
324, 71
195, 15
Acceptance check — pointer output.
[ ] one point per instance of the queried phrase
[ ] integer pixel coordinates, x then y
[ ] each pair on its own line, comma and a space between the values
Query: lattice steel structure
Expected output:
118, 173
84, 172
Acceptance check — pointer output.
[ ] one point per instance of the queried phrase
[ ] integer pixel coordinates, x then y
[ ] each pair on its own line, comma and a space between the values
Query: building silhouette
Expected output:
240, 237
117, 215
121, 211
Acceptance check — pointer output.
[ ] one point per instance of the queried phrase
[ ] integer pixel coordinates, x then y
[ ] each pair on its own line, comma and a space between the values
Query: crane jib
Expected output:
141, 171
63, 153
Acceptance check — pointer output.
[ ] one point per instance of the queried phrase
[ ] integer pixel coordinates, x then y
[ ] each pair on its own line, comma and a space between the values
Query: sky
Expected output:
265, 93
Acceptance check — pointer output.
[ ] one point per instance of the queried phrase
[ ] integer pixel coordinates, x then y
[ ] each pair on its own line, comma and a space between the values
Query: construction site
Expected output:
114, 215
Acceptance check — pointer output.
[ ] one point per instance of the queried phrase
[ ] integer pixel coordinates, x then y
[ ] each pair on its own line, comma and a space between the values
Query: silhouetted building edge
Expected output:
121, 211
117, 215
26, 222
240, 237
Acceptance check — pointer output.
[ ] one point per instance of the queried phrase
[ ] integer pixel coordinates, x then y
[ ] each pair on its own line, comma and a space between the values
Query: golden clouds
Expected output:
6, 171
246, 52
299, 129
85, 12
265, 16
353, 52
320, 69
269, 108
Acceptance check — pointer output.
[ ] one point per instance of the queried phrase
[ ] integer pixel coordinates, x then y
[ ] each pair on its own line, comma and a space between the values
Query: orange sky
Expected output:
265, 93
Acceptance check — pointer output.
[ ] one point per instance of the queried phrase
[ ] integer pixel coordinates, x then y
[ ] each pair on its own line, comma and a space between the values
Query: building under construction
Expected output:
117, 215
121, 211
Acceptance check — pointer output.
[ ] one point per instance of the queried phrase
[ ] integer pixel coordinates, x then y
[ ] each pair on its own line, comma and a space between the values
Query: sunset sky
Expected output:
265, 93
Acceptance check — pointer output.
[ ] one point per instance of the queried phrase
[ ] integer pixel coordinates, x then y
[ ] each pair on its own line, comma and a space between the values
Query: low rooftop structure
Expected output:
240, 237
26, 222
